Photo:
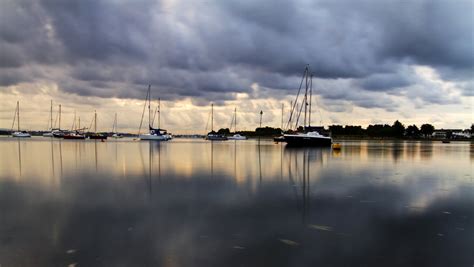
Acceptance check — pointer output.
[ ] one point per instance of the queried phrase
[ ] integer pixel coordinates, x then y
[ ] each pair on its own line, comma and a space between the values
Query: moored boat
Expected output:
212, 135
307, 139
18, 133
310, 136
237, 137
154, 134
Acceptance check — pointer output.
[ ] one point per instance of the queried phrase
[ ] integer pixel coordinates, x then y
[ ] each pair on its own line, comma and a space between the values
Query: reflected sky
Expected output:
235, 203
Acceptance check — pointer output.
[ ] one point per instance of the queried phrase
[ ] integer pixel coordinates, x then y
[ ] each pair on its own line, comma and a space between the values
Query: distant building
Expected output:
461, 134
439, 134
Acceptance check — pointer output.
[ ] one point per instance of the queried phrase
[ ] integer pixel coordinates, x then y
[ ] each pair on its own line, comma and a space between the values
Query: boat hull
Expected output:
150, 137
216, 138
48, 135
304, 141
74, 137
98, 137
21, 135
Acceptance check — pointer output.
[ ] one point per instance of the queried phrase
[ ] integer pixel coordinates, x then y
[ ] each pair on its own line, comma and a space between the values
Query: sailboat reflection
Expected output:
19, 157
300, 164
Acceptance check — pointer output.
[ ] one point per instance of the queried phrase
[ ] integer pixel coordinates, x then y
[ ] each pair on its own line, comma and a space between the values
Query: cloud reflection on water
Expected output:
196, 203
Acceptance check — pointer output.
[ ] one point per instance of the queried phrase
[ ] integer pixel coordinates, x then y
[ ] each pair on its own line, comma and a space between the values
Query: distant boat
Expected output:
50, 128
212, 135
309, 137
56, 132
18, 133
76, 133
236, 136
114, 129
96, 135
154, 134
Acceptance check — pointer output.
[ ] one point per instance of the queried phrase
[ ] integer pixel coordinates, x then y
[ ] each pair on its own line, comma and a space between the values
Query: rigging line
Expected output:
14, 118
310, 98
143, 112
154, 115
319, 111
55, 120
297, 95
232, 122
301, 108
207, 123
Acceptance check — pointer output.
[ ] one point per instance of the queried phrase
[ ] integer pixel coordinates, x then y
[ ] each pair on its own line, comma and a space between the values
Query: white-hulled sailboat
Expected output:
18, 133
114, 129
236, 136
50, 122
154, 134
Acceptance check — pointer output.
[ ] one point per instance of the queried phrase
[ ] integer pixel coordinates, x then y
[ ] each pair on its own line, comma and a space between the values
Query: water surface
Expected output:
236, 203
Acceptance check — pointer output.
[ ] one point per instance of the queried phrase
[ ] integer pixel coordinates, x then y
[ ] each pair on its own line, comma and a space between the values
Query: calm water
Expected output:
244, 203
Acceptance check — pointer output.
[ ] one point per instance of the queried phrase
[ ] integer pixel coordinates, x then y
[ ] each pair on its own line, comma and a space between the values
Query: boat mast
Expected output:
18, 113
305, 101
149, 103
212, 117
235, 120
51, 114
59, 117
282, 108
79, 122
95, 121
159, 113
73, 127
310, 97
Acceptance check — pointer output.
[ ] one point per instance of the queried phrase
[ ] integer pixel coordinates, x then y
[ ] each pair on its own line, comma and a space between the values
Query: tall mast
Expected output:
18, 113
95, 121
235, 120
74, 122
51, 114
305, 100
159, 113
310, 97
282, 108
79, 122
59, 117
212, 117
115, 124
149, 103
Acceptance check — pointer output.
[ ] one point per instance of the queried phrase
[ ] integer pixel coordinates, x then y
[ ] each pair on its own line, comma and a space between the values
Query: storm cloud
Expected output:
361, 52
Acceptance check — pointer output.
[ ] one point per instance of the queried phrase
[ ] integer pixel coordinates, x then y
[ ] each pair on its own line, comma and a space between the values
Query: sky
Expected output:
372, 61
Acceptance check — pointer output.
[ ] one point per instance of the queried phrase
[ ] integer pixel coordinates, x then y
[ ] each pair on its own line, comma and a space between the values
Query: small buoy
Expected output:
336, 146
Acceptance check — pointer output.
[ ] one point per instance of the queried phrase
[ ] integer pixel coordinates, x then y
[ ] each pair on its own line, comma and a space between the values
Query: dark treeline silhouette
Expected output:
396, 130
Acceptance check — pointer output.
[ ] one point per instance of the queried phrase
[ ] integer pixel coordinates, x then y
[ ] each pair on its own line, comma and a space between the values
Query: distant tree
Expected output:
336, 129
412, 131
472, 128
398, 129
267, 131
224, 131
427, 129
379, 130
353, 130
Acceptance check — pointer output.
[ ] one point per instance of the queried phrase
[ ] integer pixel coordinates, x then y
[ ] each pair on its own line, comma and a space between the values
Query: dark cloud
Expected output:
209, 50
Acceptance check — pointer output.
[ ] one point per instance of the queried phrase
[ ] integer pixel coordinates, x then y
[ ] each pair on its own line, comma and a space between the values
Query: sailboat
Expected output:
155, 134
50, 128
236, 136
310, 136
57, 132
96, 135
18, 133
212, 135
76, 131
114, 129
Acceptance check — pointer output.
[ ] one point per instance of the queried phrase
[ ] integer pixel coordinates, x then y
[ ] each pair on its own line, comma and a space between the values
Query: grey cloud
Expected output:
209, 50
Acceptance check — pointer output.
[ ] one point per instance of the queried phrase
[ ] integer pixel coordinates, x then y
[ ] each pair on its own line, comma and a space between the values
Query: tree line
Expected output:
397, 130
